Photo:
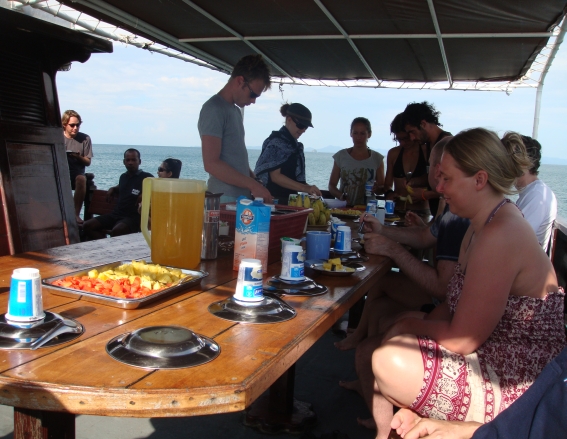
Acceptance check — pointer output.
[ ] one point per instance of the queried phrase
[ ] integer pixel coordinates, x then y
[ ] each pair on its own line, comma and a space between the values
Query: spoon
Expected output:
64, 325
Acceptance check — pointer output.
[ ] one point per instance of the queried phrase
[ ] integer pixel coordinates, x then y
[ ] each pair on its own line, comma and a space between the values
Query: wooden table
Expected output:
48, 387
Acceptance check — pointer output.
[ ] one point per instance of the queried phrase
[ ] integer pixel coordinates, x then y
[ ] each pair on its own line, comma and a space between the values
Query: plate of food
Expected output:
334, 267
346, 213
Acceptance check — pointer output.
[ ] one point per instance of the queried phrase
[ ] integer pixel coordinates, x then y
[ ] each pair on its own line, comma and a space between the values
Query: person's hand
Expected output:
259, 191
413, 220
314, 190
392, 196
109, 195
411, 426
377, 244
378, 189
371, 224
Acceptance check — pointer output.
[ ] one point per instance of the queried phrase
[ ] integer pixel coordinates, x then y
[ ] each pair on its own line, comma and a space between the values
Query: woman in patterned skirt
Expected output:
502, 322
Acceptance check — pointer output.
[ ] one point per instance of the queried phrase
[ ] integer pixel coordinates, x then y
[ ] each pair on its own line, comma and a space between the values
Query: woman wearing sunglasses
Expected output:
170, 168
281, 165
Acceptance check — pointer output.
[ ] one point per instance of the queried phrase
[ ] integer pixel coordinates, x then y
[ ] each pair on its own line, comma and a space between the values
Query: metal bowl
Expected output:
268, 310
162, 347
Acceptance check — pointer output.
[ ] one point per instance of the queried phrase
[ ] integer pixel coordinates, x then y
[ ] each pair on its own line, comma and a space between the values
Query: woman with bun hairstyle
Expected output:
357, 166
502, 320
281, 165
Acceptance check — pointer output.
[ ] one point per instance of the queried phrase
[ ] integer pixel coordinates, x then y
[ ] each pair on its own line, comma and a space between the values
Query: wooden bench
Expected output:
98, 205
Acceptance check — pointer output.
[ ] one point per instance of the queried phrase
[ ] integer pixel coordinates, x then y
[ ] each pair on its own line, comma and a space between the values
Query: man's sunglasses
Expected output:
73, 125
252, 94
160, 169
299, 125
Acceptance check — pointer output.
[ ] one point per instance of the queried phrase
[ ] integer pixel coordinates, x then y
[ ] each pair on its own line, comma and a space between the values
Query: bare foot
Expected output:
368, 423
348, 343
352, 385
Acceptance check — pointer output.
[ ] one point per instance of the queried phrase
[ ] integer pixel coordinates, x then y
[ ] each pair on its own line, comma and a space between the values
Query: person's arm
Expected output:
112, 192
415, 237
334, 181
434, 280
483, 297
86, 161
389, 179
379, 183
281, 180
211, 148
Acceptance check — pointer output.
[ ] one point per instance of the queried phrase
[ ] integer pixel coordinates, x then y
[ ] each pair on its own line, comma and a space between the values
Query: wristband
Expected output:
423, 196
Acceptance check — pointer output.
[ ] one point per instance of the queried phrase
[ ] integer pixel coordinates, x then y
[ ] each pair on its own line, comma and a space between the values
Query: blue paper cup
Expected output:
25, 303
318, 245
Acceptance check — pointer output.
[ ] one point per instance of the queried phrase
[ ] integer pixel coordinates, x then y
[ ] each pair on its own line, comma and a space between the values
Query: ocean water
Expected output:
107, 167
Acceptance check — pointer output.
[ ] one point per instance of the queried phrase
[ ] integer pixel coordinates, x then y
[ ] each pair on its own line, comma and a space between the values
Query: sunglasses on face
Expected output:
253, 95
160, 169
299, 125
73, 125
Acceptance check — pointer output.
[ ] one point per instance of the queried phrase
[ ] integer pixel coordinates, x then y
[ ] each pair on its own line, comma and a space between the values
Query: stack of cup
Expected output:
249, 282
343, 238
293, 261
25, 303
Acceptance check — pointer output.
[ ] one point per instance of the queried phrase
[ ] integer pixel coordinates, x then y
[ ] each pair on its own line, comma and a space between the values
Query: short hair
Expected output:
533, 148
253, 67
437, 150
363, 121
504, 159
398, 125
173, 166
68, 114
132, 150
415, 112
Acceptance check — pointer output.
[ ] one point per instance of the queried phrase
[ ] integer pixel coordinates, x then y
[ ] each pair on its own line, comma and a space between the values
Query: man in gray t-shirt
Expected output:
221, 129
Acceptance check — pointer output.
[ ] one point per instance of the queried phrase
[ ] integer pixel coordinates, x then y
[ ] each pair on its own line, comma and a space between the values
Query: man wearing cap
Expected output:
281, 165
221, 128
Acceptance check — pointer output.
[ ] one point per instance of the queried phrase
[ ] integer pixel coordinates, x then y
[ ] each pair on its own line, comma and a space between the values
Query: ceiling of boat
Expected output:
419, 41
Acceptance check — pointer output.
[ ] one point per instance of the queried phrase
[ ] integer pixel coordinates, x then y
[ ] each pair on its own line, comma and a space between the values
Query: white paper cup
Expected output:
342, 240
249, 282
293, 263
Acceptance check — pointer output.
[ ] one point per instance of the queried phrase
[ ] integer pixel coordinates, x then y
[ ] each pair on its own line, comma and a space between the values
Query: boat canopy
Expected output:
439, 44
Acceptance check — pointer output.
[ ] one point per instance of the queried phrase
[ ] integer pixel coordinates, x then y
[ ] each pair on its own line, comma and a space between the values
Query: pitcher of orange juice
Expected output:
176, 220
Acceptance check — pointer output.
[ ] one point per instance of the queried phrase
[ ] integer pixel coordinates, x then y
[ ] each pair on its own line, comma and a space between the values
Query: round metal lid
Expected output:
15, 335
162, 347
268, 310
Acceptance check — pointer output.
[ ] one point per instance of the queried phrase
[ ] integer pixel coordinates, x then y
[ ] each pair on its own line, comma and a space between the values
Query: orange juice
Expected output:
177, 224
177, 220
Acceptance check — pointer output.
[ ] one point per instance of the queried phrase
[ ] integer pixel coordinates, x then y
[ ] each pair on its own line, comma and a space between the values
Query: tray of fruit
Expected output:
346, 213
124, 284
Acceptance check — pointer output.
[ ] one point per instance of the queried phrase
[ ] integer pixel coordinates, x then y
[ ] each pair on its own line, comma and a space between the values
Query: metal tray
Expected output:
118, 302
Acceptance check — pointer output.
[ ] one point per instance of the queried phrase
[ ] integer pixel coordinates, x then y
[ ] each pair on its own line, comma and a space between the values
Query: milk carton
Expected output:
252, 232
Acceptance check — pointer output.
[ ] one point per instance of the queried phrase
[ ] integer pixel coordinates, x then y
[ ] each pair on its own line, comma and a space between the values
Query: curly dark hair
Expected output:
533, 148
398, 125
415, 112
253, 67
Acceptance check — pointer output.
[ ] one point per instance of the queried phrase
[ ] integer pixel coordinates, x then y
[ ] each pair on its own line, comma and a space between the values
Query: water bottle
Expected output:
368, 194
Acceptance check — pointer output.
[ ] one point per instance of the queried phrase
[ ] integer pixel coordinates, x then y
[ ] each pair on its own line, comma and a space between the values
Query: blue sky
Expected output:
135, 97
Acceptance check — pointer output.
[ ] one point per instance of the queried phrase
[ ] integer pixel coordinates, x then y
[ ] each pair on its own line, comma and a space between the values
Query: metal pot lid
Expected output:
268, 310
20, 335
162, 347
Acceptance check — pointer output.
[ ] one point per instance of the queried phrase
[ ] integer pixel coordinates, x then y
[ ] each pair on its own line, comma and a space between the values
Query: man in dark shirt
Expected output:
125, 218
79, 154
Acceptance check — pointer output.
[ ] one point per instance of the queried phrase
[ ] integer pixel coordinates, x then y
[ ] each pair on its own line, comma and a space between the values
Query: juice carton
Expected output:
252, 232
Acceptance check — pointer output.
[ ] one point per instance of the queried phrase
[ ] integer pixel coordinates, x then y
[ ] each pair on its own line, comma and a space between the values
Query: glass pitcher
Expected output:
176, 220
